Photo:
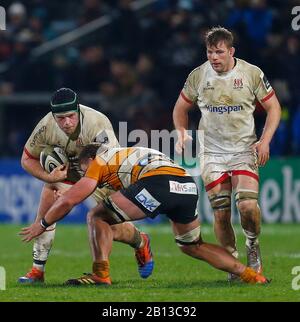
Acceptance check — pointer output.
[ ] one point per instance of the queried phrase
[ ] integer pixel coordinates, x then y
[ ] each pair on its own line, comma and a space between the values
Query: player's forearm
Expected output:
180, 118
59, 210
272, 122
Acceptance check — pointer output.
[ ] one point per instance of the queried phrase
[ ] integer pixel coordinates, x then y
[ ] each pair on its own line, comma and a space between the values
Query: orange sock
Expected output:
101, 269
249, 275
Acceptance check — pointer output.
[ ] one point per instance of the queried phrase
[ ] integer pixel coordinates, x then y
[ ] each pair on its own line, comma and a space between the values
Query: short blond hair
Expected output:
218, 34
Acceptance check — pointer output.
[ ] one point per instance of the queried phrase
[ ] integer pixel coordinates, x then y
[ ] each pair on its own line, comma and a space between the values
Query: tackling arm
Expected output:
79, 192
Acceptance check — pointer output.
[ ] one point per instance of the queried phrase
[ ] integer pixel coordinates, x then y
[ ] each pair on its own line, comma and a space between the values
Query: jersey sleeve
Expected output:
104, 132
36, 142
96, 169
189, 92
262, 87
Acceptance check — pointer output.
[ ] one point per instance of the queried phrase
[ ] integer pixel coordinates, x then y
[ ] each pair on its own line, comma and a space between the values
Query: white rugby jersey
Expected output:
95, 127
227, 103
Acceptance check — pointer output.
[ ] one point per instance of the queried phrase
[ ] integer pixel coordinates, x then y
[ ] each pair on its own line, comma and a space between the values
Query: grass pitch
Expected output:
176, 277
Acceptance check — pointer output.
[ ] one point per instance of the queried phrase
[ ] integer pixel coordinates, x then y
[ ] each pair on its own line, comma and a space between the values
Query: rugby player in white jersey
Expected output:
226, 90
71, 126
146, 183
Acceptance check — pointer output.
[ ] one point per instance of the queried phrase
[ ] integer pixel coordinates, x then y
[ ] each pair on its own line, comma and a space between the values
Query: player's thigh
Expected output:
225, 185
120, 202
245, 173
244, 182
100, 212
220, 200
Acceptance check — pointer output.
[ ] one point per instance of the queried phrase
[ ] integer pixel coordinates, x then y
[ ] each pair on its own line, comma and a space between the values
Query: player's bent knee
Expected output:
193, 237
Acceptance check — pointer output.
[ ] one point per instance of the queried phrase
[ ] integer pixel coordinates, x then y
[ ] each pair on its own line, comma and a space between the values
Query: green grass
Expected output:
176, 277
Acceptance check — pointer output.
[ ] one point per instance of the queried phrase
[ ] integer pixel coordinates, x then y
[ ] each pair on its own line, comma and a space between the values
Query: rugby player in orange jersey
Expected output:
72, 125
147, 183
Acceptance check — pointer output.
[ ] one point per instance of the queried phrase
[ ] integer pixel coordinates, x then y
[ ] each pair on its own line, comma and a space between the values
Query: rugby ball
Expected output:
51, 157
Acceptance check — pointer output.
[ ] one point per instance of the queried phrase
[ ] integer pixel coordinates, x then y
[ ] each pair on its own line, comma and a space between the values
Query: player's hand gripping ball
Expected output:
52, 157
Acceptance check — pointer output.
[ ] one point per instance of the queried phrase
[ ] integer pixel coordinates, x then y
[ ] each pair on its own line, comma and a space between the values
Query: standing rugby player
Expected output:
226, 90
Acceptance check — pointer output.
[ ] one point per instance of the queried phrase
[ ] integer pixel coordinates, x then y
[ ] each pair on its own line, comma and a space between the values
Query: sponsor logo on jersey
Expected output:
208, 86
266, 83
221, 109
147, 200
102, 137
37, 135
188, 188
238, 83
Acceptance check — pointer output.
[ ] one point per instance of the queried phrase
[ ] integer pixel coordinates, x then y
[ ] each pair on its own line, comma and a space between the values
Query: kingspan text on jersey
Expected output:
221, 109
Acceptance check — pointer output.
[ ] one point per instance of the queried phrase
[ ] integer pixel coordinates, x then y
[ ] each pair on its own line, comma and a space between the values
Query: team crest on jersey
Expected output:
238, 83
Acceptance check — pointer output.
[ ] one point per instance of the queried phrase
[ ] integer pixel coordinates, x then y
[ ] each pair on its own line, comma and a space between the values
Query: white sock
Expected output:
251, 238
40, 267
42, 246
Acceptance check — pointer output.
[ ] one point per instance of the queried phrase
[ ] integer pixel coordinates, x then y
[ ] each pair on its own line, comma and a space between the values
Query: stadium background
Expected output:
129, 59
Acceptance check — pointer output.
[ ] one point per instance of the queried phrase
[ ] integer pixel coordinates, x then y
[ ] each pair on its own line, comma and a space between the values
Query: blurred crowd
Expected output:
139, 62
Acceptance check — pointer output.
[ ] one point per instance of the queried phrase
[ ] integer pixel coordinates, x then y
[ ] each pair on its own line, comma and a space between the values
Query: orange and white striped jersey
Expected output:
120, 167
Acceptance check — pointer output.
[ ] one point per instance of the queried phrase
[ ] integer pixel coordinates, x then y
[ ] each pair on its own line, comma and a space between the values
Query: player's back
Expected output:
120, 167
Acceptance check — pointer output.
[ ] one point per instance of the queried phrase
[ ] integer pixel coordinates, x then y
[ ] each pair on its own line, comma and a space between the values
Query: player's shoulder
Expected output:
48, 120
197, 74
199, 70
248, 67
91, 114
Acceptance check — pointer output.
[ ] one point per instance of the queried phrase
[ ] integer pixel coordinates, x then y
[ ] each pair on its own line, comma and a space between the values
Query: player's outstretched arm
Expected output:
273, 110
79, 192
